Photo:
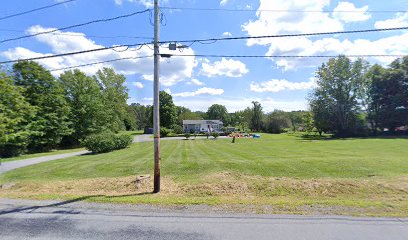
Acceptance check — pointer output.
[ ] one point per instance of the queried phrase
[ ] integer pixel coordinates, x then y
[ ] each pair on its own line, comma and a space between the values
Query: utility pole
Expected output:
156, 91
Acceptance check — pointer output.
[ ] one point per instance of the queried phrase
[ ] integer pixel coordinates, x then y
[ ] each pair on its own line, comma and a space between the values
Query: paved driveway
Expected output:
8, 166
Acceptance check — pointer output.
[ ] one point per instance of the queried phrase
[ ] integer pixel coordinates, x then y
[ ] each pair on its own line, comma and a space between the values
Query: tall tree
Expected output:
84, 95
256, 119
388, 107
218, 112
275, 122
337, 100
42, 90
15, 117
168, 115
142, 115
115, 95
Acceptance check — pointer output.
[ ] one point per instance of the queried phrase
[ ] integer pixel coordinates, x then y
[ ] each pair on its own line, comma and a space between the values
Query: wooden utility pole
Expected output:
156, 91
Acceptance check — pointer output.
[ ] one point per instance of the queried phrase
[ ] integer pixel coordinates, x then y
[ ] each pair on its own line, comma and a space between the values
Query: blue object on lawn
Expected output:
256, 136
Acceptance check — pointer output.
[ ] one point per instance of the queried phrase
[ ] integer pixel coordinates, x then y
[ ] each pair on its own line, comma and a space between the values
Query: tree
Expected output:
184, 113
44, 92
256, 118
388, 107
337, 100
15, 116
297, 119
218, 112
84, 95
275, 122
115, 95
168, 115
141, 114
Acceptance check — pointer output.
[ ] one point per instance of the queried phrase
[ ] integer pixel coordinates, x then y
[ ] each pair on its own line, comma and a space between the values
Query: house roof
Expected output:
204, 122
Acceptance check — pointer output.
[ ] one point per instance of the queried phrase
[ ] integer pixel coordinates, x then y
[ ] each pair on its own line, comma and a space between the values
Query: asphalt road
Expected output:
75, 220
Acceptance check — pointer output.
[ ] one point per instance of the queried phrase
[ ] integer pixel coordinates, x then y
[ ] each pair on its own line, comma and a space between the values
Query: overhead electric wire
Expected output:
283, 56
208, 40
287, 35
82, 35
281, 10
35, 10
73, 53
95, 63
76, 25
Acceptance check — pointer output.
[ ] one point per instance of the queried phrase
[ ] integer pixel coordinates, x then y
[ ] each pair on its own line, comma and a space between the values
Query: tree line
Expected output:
39, 112
353, 98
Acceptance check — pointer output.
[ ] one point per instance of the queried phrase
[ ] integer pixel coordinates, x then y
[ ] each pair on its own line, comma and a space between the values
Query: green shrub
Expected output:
177, 129
215, 135
187, 135
164, 132
172, 134
192, 131
106, 142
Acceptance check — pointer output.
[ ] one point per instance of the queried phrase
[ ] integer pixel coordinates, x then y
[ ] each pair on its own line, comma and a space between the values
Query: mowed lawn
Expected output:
295, 175
272, 155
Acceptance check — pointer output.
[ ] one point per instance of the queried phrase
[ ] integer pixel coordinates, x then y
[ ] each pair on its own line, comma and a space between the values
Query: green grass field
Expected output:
279, 170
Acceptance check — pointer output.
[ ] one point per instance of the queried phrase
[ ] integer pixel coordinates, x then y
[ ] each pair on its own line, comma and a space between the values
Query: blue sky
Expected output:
198, 82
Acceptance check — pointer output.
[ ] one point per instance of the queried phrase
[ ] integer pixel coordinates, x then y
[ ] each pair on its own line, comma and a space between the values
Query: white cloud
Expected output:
400, 20
197, 82
347, 12
227, 34
138, 84
276, 85
200, 91
173, 70
272, 23
225, 67
288, 22
223, 2
168, 90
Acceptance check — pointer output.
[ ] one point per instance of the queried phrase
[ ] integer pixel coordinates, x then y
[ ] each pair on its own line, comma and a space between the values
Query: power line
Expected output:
81, 35
283, 10
95, 63
213, 40
226, 56
282, 56
34, 10
73, 53
76, 25
286, 35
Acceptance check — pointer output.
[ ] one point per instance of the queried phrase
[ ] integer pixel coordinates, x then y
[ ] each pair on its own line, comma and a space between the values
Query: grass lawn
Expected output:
275, 174
54, 152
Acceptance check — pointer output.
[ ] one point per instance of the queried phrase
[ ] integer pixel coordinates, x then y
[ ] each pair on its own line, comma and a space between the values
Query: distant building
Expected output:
202, 125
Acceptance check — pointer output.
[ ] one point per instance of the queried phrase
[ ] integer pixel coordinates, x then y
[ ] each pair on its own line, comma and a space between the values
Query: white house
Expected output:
202, 125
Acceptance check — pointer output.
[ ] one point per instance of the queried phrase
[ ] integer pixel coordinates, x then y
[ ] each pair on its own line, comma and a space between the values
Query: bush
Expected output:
192, 131
164, 132
215, 135
106, 142
187, 135
177, 129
